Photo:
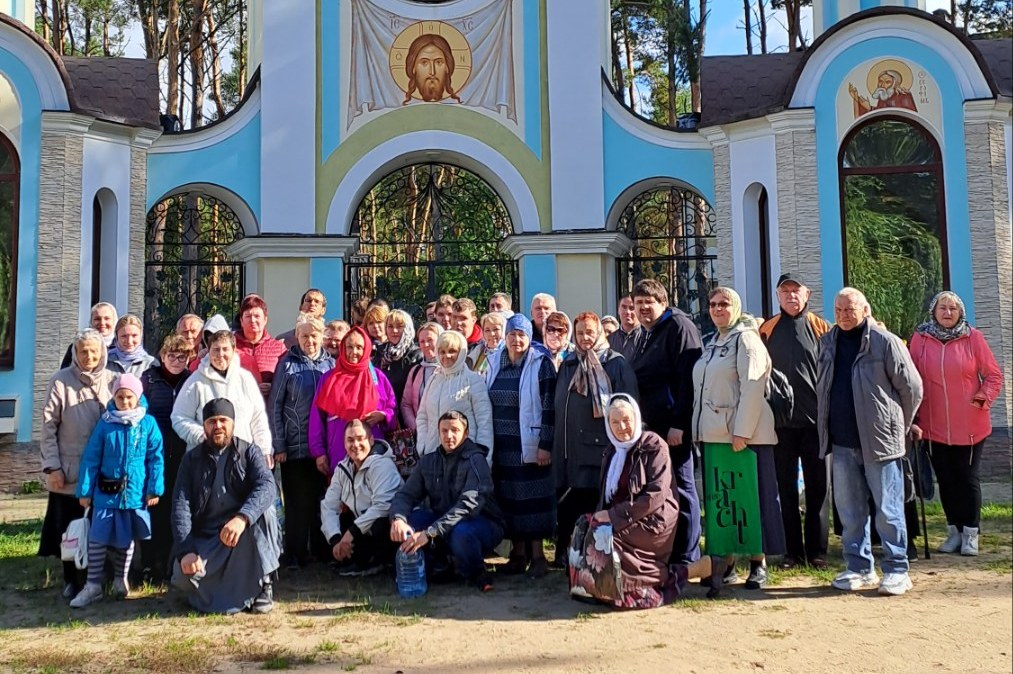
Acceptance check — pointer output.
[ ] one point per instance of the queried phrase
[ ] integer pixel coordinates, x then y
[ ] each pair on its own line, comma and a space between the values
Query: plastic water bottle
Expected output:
411, 573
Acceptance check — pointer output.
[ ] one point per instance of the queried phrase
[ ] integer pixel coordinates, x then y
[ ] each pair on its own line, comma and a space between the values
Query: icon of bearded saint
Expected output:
888, 94
429, 66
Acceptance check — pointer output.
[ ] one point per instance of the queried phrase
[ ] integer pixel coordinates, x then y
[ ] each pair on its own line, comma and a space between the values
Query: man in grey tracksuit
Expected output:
864, 372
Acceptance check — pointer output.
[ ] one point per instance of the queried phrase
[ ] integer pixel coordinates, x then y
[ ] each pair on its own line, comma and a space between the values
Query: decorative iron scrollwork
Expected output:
187, 268
428, 229
674, 243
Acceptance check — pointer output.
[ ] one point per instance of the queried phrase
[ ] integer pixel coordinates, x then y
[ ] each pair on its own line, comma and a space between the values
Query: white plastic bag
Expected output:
74, 545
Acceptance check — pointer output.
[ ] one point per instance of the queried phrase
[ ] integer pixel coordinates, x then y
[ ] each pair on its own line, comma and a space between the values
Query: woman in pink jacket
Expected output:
961, 380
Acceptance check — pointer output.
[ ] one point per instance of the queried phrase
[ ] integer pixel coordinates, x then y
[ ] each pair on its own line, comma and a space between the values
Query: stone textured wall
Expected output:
725, 265
59, 269
138, 227
798, 217
992, 250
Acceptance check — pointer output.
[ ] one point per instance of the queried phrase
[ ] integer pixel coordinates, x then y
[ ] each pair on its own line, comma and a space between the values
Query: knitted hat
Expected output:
519, 322
129, 382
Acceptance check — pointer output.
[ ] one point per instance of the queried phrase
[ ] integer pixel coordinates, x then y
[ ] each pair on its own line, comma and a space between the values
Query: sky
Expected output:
726, 35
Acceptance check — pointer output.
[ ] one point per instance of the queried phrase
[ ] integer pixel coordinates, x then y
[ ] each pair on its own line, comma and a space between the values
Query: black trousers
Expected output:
156, 551
808, 542
303, 486
957, 470
373, 546
575, 502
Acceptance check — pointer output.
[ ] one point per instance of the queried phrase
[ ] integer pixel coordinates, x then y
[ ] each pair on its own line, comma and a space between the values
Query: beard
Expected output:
219, 439
431, 89
882, 94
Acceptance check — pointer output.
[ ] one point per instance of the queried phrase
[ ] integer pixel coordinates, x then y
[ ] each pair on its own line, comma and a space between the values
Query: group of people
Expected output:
473, 428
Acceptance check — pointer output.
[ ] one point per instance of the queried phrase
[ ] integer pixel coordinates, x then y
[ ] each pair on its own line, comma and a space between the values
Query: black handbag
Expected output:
921, 464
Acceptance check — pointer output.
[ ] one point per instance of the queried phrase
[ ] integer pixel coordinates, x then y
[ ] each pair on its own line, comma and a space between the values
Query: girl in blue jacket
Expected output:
120, 475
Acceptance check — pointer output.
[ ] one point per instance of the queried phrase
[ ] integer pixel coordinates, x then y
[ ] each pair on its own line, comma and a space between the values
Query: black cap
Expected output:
219, 407
789, 276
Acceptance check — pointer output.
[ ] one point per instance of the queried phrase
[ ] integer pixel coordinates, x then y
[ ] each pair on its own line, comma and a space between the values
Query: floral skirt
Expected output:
596, 572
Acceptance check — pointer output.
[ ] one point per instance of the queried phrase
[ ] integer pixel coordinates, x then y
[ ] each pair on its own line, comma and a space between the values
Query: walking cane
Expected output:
919, 489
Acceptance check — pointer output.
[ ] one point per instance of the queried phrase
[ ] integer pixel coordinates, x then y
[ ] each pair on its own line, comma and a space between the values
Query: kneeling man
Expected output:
462, 518
223, 521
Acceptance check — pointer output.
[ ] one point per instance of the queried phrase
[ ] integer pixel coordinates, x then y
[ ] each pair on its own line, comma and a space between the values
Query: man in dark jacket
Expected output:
462, 513
664, 367
223, 520
626, 340
792, 338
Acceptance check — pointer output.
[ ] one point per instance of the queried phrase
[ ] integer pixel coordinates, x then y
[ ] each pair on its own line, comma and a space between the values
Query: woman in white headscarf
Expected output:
398, 354
619, 554
454, 387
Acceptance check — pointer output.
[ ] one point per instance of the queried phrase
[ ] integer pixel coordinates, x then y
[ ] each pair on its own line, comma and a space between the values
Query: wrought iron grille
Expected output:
429, 229
672, 230
187, 269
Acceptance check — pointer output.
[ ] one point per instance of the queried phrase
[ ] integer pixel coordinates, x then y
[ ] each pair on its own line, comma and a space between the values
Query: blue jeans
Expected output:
686, 546
854, 480
469, 541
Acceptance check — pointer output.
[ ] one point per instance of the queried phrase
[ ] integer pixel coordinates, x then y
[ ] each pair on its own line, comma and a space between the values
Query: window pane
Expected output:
7, 164
894, 244
8, 222
889, 143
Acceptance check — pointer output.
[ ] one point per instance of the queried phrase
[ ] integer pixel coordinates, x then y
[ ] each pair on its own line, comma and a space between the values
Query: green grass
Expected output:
999, 514
20, 568
30, 487
1000, 566
365, 609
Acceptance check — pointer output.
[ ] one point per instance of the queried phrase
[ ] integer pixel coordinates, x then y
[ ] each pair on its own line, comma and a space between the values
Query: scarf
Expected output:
734, 311
125, 417
90, 378
933, 329
350, 392
457, 368
591, 376
618, 462
125, 358
395, 352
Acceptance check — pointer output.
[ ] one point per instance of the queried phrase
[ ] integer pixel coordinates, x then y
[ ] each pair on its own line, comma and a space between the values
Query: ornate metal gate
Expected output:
187, 268
429, 229
672, 230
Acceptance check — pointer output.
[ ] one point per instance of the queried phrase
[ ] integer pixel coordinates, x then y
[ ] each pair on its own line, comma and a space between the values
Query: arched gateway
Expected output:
428, 229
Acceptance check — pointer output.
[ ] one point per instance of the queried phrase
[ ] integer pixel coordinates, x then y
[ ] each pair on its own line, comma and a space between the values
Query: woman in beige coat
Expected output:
731, 414
75, 400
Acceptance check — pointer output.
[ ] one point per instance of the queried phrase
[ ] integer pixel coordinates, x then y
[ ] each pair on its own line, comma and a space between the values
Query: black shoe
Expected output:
789, 562
757, 577
818, 563
264, 603
483, 581
912, 553
515, 566
729, 577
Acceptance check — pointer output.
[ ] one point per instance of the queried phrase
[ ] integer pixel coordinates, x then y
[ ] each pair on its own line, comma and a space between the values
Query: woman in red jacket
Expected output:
961, 380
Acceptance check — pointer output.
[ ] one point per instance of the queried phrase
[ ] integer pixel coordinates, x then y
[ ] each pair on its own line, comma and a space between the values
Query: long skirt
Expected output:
595, 571
742, 513
525, 491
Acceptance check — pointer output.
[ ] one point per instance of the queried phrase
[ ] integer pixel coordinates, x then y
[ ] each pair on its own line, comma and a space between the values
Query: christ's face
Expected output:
432, 74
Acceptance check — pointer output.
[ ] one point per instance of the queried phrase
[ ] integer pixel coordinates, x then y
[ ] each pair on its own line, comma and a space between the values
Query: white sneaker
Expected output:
851, 581
953, 539
969, 542
121, 588
895, 584
89, 594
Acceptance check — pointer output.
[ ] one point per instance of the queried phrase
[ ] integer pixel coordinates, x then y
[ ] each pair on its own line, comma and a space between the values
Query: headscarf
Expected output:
590, 375
462, 354
734, 311
350, 392
395, 352
932, 327
128, 358
622, 448
90, 377
428, 367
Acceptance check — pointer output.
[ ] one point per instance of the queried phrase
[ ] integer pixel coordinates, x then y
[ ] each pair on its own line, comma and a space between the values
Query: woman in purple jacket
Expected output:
354, 389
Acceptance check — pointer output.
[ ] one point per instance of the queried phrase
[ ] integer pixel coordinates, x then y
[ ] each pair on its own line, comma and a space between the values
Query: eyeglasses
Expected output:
555, 329
176, 357
719, 305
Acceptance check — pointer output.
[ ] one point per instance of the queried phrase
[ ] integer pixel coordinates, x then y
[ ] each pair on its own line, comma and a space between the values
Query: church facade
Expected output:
405, 149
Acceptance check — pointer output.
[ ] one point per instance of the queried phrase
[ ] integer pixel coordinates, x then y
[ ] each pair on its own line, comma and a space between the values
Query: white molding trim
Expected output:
143, 138
65, 122
434, 146
443, 11
637, 127
563, 243
715, 135
748, 129
261, 247
988, 111
52, 91
793, 120
973, 84
213, 135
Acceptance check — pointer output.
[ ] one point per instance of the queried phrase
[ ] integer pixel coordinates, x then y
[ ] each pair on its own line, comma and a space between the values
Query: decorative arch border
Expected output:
434, 146
238, 205
627, 196
40, 60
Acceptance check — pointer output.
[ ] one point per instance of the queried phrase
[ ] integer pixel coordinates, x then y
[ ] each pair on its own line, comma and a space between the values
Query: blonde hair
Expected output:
375, 314
493, 317
451, 338
308, 321
128, 319
431, 326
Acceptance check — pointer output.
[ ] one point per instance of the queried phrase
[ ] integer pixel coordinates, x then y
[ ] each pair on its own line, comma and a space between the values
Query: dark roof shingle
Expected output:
734, 88
998, 54
121, 90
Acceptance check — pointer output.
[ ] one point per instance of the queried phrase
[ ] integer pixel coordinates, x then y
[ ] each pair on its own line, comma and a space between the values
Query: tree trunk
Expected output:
762, 22
58, 27
618, 77
197, 64
747, 12
953, 12
172, 55
216, 65
629, 57
47, 31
